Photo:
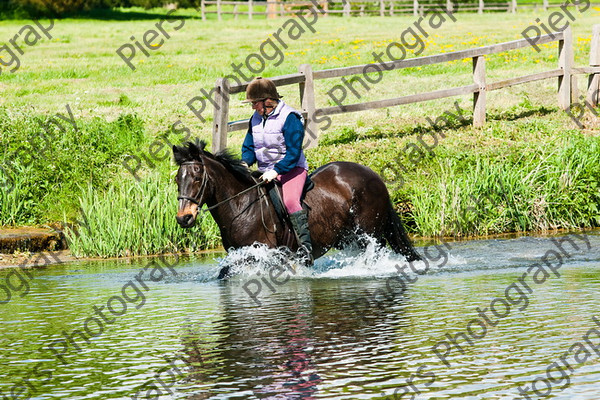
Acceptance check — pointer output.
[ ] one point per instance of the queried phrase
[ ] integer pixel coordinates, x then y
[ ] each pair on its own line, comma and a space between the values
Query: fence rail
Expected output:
566, 74
347, 8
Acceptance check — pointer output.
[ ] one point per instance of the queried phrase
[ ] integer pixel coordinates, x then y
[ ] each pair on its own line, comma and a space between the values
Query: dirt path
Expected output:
35, 259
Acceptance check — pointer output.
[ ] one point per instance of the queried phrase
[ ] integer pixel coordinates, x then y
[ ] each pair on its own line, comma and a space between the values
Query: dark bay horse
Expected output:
347, 199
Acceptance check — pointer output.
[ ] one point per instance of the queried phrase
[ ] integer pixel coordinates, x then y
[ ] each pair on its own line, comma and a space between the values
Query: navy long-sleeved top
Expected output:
293, 136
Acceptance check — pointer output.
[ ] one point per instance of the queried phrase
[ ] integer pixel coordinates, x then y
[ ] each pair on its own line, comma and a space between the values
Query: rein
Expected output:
203, 186
232, 197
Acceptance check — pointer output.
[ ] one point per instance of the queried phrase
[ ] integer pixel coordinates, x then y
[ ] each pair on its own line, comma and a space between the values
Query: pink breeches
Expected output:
292, 184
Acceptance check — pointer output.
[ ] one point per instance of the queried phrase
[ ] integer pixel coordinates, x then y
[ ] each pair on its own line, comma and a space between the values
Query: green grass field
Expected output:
531, 166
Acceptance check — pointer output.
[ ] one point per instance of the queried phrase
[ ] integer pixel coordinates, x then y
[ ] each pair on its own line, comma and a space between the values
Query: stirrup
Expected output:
306, 255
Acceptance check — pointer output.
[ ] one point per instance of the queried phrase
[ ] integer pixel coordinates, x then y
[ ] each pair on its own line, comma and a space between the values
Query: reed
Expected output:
136, 218
546, 189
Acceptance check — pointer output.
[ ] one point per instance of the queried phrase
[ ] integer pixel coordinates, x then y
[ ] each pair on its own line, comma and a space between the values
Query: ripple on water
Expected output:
317, 335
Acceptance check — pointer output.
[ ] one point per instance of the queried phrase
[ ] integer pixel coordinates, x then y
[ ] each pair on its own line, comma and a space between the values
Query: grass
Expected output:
541, 189
528, 144
523, 174
136, 219
48, 166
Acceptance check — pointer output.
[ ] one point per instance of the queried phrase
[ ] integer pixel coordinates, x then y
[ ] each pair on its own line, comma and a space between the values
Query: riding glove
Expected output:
269, 175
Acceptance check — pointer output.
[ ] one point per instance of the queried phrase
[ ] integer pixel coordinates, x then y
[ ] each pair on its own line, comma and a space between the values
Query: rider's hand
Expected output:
269, 175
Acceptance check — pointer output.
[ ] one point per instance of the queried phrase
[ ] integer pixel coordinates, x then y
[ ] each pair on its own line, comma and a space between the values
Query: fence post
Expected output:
480, 9
219, 10
271, 9
415, 8
221, 115
235, 11
574, 89
545, 5
325, 7
593, 93
513, 6
307, 100
449, 6
565, 62
479, 97
347, 8
203, 10
250, 8
391, 8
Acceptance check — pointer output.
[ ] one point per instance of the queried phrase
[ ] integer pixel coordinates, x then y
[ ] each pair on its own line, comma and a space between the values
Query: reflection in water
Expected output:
293, 343
196, 338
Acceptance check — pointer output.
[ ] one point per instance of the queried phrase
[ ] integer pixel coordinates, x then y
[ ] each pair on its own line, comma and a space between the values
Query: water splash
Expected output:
365, 259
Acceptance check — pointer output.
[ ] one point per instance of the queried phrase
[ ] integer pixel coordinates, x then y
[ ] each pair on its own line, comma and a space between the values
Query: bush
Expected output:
48, 168
50, 8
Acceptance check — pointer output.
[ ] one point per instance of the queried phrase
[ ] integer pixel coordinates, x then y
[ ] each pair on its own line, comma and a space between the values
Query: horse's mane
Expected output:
191, 152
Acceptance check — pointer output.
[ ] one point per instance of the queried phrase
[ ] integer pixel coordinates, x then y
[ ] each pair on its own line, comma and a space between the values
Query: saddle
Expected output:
274, 190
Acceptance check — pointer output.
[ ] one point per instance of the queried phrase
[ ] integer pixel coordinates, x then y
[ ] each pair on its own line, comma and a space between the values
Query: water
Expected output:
347, 329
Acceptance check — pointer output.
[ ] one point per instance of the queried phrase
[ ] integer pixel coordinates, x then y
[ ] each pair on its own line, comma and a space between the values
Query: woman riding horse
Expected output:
274, 141
347, 200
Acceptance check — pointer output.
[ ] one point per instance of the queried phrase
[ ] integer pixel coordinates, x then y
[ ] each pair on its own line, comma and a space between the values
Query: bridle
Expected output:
203, 189
207, 209
202, 186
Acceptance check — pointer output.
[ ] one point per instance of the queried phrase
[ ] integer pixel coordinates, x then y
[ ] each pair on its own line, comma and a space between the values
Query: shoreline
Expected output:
48, 258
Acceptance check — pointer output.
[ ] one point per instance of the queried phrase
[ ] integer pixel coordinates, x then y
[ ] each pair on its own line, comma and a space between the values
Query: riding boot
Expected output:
300, 224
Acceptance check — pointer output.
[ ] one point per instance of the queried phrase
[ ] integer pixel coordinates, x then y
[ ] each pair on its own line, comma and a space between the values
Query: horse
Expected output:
348, 199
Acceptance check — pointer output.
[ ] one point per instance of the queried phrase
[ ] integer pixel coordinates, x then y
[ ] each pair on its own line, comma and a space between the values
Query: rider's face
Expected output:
264, 106
259, 106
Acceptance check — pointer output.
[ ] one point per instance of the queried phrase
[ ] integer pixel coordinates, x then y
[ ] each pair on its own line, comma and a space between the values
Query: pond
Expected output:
481, 319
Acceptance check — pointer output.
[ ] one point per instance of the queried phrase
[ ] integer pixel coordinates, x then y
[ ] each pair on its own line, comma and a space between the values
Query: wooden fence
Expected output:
347, 8
565, 73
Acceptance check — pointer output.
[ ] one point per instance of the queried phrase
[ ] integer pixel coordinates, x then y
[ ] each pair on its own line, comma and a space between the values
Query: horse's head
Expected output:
192, 181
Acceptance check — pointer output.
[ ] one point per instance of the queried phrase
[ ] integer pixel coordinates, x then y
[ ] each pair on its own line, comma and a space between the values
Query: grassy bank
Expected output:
530, 168
136, 218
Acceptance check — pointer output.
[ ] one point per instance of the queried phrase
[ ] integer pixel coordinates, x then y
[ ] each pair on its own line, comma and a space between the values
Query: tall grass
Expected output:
134, 218
48, 166
16, 201
546, 189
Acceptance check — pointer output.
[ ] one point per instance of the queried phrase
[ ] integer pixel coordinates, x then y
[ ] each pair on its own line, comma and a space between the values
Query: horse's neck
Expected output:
239, 210
226, 186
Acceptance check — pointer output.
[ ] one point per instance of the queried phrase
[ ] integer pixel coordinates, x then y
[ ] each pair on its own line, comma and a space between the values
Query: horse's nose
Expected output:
186, 220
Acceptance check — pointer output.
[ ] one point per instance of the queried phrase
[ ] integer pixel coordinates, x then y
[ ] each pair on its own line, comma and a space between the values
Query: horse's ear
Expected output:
177, 154
194, 151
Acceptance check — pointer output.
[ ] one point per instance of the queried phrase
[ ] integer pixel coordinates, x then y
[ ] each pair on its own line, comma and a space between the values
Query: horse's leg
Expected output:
397, 238
224, 273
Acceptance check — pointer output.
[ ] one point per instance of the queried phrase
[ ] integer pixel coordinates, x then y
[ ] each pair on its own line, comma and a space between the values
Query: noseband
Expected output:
202, 186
